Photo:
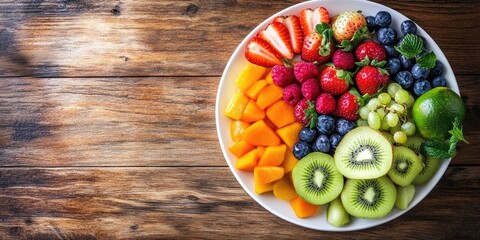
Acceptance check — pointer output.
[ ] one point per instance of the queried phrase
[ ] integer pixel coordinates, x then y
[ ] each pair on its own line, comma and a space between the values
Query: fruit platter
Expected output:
338, 115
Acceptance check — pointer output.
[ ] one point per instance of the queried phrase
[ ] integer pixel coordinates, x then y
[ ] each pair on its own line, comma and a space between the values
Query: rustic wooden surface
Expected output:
100, 102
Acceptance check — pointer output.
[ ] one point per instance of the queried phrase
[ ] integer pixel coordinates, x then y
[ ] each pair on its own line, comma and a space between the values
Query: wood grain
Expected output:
125, 203
178, 38
133, 122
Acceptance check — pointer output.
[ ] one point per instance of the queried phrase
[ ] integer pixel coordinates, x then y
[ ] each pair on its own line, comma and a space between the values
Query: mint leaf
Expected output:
427, 60
457, 130
410, 46
439, 149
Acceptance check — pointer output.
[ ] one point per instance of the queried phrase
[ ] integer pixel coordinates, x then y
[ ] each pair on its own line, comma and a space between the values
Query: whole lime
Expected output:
435, 111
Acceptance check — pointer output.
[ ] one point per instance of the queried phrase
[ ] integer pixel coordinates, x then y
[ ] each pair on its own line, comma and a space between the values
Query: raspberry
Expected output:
325, 103
305, 70
311, 89
299, 111
343, 60
282, 76
292, 94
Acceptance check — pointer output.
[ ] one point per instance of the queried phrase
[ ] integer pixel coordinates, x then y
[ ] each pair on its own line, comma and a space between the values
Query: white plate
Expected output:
227, 86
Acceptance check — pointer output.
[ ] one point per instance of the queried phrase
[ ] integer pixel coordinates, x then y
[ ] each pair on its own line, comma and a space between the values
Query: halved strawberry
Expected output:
310, 18
278, 37
292, 23
259, 52
311, 49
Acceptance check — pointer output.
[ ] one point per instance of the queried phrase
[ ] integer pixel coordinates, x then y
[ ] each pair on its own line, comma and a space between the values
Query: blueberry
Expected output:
393, 66
307, 135
424, 40
335, 140
404, 78
391, 52
383, 19
437, 70
419, 73
344, 126
407, 63
420, 87
323, 144
325, 124
387, 36
371, 23
301, 149
408, 26
399, 40
439, 81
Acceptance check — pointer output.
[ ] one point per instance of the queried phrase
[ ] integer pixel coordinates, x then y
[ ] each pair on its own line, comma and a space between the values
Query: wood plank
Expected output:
133, 122
125, 203
172, 38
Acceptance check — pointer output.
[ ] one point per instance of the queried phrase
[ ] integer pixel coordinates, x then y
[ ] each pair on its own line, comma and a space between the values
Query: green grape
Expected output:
381, 113
384, 126
408, 128
392, 119
362, 122
393, 88
400, 137
401, 96
410, 101
364, 112
373, 104
374, 120
400, 109
384, 98
395, 129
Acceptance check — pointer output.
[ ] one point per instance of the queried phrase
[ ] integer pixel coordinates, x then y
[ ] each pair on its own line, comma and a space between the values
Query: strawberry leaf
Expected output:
346, 46
359, 35
326, 32
346, 75
311, 115
410, 46
365, 62
427, 60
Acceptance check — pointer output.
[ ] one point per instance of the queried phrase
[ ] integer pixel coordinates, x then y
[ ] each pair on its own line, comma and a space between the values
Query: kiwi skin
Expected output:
336, 214
356, 191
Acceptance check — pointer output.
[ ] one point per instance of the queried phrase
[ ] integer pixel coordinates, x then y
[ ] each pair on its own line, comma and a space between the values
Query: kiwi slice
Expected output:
336, 214
369, 198
363, 153
406, 166
431, 164
404, 196
316, 179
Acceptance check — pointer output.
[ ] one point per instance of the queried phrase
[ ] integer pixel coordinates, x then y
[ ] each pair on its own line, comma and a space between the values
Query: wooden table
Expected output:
107, 124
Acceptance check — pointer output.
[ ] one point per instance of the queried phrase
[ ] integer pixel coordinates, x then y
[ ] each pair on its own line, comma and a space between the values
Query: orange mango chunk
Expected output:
252, 112
280, 113
269, 95
249, 75
253, 91
284, 190
302, 208
236, 106
261, 151
263, 187
260, 134
289, 133
241, 147
237, 128
289, 161
248, 161
267, 174
269, 78
273, 155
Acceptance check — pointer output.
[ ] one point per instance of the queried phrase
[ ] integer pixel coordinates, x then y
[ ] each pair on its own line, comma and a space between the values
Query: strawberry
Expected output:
335, 81
370, 79
305, 113
346, 24
259, 52
311, 47
348, 105
372, 50
292, 23
278, 37
310, 18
